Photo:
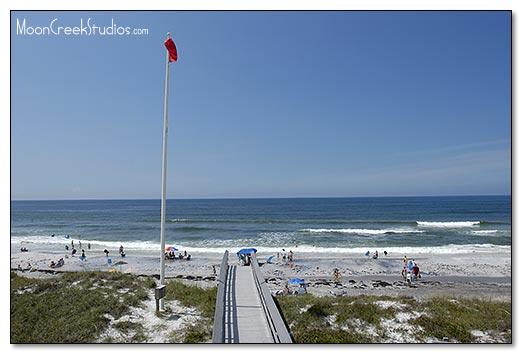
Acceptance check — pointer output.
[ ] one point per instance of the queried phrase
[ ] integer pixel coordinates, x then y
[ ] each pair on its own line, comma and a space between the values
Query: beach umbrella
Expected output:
246, 251
269, 260
170, 249
296, 281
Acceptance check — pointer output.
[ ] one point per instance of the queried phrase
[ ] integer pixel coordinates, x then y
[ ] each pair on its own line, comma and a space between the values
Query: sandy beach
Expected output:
482, 275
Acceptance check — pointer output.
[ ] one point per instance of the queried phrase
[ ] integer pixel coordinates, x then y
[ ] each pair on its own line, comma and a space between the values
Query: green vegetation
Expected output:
455, 318
204, 300
134, 329
72, 308
366, 319
332, 320
78, 307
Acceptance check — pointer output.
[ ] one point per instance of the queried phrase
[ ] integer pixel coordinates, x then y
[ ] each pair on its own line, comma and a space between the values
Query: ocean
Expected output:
399, 225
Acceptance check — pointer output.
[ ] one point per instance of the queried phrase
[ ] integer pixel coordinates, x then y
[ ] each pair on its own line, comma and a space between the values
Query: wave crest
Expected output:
449, 224
365, 231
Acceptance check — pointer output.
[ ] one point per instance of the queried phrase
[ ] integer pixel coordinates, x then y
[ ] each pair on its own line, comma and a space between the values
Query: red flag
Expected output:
171, 47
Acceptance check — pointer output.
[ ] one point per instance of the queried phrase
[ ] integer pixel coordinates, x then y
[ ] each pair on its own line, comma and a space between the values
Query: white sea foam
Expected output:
448, 249
448, 224
484, 232
41, 241
365, 231
151, 248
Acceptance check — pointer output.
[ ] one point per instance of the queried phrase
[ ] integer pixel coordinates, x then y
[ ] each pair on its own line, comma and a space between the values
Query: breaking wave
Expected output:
448, 224
365, 231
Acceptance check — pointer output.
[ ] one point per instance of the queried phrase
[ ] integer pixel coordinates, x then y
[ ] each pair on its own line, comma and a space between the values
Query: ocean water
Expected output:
316, 225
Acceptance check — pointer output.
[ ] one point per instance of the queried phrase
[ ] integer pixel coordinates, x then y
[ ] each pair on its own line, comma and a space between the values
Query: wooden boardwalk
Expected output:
245, 320
245, 310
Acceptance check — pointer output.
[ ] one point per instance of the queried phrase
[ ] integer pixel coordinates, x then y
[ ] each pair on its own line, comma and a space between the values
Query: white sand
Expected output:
484, 275
159, 329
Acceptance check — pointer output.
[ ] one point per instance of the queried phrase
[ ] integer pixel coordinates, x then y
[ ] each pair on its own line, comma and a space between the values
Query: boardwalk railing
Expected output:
273, 317
225, 316
218, 333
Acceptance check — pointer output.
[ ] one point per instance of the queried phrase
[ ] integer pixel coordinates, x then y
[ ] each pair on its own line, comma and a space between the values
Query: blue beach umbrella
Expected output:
269, 260
296, 281
246, 251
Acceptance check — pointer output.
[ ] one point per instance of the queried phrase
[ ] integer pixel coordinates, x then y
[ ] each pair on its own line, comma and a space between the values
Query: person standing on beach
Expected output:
404, 272
410, 264
408, 278
337, 275
416, 271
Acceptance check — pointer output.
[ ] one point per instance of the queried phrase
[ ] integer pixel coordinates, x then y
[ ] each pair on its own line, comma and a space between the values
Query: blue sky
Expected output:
263, 104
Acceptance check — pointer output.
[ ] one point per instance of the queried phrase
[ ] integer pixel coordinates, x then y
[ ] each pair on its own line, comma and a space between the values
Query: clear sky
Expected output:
263, 104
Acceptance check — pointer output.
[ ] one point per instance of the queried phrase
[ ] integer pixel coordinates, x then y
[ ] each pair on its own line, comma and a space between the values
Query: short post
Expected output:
160, 294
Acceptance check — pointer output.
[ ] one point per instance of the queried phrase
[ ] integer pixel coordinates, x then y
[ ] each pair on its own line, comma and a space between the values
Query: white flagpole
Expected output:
164, 181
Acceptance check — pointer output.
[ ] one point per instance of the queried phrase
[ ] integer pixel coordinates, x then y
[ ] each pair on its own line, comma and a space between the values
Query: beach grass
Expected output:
79, 307
383, 319
203, 300
73, 307
454, 319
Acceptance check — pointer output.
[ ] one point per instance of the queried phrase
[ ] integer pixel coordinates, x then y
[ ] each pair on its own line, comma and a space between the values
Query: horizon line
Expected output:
238, 198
